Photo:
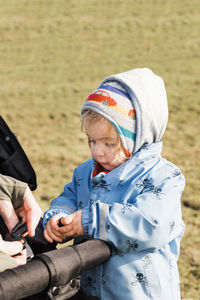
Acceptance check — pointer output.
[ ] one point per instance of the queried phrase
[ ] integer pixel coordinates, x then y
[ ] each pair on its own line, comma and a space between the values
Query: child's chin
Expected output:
107, 167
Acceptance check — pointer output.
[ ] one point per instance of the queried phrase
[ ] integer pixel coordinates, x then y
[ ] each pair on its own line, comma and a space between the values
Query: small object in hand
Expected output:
60, 224
20, 230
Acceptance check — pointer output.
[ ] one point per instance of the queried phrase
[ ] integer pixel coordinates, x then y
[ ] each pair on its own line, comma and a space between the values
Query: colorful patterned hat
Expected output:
113, 102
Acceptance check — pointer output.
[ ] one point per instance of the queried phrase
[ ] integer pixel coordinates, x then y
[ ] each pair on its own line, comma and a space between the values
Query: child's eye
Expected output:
91, 141
110, 145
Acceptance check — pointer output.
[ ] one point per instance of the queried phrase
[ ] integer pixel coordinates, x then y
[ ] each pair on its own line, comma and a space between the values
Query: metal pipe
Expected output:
53, 268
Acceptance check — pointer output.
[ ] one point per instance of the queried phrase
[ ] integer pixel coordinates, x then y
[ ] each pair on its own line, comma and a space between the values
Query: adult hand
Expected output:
14, 249
30, 212
8, 214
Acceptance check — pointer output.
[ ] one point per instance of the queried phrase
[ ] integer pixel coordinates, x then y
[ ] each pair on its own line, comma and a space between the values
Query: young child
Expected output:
126, 194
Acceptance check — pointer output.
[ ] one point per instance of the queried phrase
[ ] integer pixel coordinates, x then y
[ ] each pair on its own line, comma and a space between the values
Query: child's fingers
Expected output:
67, 224
47, 237
51, 234
54, 221
67, 219
55, 231
70, 233
52, 230
50, 237
66, 229
72, 225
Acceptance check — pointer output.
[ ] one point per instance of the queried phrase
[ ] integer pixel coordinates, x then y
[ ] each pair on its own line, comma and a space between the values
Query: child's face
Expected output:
103, 144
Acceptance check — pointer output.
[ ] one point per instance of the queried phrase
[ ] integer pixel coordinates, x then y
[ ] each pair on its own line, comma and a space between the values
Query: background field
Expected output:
53, 53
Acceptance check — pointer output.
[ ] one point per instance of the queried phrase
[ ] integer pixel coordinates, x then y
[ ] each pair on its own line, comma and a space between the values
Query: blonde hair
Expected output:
90, 116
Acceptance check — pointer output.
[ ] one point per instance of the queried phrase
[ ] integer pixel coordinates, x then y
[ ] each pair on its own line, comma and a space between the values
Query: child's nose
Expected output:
99, 151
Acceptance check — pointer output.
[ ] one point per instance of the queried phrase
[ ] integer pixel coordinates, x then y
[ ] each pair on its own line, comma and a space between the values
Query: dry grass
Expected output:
53, 53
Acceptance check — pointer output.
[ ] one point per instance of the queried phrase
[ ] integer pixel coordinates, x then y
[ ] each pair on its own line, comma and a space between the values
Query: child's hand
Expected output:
51, 231
72, 227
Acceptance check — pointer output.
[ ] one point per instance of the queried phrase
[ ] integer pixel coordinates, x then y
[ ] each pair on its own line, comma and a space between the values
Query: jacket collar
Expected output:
146, 153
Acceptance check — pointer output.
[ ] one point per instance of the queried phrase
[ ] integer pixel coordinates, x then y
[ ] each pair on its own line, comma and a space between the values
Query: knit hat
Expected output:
113, 102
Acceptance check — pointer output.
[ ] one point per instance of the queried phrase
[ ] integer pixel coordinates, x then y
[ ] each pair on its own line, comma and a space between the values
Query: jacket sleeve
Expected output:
12, 190
65, 203
149, 221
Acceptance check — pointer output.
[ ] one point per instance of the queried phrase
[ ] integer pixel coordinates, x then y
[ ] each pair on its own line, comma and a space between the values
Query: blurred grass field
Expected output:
53, 53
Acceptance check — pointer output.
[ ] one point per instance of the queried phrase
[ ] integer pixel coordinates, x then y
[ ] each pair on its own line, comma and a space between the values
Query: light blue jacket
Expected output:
135, 208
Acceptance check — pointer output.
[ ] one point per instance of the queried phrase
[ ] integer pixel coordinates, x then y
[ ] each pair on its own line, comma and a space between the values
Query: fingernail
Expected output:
31, 234
24, 234
69, 219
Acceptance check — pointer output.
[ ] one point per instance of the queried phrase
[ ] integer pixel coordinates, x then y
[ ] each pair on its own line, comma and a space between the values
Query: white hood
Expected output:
148, 95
